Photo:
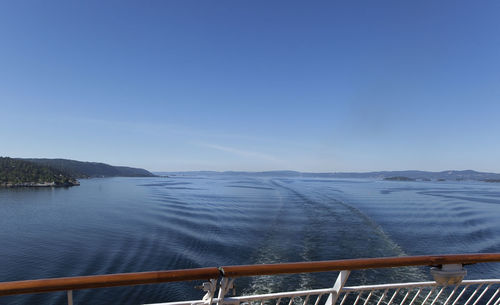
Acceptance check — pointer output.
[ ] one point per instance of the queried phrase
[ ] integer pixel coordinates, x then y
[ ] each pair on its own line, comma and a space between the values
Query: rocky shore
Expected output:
37, 184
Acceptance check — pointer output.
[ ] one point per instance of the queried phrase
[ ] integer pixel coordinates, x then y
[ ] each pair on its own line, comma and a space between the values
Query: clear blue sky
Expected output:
253, 85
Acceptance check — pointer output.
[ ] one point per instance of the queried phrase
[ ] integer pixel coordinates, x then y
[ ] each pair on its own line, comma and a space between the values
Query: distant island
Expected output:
492, 180
399, 178
58, 172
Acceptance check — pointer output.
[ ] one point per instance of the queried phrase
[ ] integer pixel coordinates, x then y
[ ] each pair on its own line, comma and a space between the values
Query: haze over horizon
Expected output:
253, 85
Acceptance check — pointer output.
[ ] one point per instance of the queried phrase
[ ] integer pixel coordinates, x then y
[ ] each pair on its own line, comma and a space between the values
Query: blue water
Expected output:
139, 224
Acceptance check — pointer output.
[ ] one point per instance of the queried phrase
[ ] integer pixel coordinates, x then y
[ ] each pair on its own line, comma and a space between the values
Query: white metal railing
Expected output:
469, 292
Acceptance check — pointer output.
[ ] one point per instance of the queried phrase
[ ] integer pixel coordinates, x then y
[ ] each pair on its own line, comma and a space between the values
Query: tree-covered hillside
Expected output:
81, 169
14, 172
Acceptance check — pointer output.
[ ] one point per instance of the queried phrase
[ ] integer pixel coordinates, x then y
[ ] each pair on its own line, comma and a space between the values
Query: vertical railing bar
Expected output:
493, 296
473, 294
368, 297
451, 295
438, 295
319, 298
357, 298
291, 301
344, 298
262, 302
278, 301
393, 296
415, 296
306, 300
460, 295
70, 297
428, 295
481, 295
382, 296
406, 297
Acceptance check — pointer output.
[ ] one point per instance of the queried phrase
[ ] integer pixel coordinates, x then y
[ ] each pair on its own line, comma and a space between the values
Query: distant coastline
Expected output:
405, 175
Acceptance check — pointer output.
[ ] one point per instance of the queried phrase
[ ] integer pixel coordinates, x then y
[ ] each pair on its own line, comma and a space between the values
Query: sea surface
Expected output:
114, 225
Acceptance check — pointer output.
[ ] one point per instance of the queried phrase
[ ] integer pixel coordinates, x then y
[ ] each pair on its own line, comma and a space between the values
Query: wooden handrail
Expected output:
108, 280
361, 263
155, 277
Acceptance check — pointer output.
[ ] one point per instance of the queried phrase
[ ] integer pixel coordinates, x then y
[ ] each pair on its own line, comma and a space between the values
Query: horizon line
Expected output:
327, 172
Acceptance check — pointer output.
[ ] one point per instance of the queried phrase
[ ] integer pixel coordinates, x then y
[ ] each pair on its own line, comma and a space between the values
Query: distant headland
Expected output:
15, 172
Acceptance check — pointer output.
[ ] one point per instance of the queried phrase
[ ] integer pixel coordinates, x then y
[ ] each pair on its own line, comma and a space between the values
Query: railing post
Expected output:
339, 284
70, 297
225, 285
